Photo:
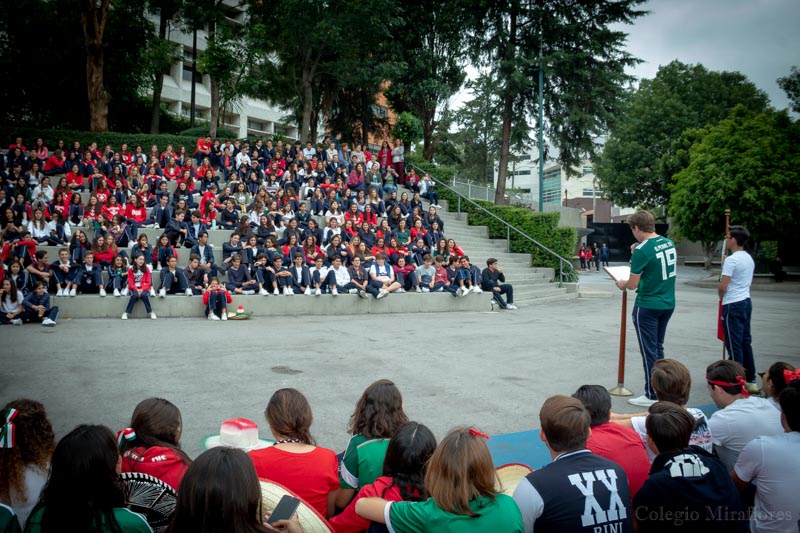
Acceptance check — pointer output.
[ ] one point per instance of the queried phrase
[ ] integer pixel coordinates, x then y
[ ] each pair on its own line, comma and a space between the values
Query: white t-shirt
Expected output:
381, 274
771, 464
701, 435
739, 423
739, 266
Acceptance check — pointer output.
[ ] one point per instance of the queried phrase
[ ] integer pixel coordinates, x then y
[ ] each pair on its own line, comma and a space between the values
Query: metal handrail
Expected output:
562, 261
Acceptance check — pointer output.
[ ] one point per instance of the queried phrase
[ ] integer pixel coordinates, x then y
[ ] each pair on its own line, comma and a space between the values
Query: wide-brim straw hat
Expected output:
150, 497
510, 475
310, 519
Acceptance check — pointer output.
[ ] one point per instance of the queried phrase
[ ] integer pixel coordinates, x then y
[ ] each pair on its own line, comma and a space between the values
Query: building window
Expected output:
379, 111
522, 173
588, 170
187, 75
597, 192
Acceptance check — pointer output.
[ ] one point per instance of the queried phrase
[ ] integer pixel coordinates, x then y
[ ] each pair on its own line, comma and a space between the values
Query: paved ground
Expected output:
489, 369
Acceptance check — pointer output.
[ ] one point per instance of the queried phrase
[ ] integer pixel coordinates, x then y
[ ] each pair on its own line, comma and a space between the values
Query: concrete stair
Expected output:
532, 285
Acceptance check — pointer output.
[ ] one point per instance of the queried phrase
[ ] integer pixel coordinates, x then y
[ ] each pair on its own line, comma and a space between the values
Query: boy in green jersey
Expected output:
653, 269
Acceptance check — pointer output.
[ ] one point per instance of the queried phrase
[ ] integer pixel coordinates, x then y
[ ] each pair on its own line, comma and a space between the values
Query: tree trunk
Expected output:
93, 20
214, 119
708, 252
158, 84
508, 102
428, 144
308, 104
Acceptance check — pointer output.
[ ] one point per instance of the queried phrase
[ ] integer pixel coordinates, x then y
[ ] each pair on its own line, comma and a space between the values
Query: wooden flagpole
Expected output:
722, 260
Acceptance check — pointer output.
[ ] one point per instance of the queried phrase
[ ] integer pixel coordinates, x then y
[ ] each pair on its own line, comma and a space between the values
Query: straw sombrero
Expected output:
150, 497
310, 520
240, 314
509, 476
237, 433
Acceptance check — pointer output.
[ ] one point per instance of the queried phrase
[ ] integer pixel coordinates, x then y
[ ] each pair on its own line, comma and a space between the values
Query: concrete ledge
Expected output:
91, 306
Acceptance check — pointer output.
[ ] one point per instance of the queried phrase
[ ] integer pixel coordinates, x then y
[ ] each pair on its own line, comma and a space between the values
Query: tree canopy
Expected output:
791, 84
748, 163
639, 158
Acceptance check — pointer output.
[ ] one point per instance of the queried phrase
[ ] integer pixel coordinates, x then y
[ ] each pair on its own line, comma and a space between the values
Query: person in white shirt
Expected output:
11, 307
741, 417
242, 157
382, 277
771, 463
734, 291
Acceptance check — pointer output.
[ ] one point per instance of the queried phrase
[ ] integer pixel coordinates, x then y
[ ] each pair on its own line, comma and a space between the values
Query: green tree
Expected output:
432, 45
408, 129
791, 84
480, 121
584, 61
747, 163
638, 161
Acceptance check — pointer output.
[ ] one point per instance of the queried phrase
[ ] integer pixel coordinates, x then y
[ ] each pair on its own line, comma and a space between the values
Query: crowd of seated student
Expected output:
268, 205
393, 472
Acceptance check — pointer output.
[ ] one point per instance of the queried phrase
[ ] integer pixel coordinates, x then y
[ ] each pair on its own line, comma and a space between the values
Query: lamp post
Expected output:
541, 144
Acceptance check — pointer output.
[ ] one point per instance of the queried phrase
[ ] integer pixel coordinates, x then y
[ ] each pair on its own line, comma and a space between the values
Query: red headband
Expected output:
791, 375
475, 433
740, 382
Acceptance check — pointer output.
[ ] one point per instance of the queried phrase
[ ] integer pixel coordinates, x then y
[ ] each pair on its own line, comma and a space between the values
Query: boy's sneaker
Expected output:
188, 292
318, 292
263, 292
276, 292
162, 292
224, 315
124, 316
248, 293
73, 292
426, 289
60, 292
400, 290
287, 291
511, 306
335, 291
117, 293
102, 292
642, 401
49, 323
153, 292
477, 290
153, 315
212, 316
307, 292
419, 289
352, 291
362, 293
16, 321
124, 291
382, 294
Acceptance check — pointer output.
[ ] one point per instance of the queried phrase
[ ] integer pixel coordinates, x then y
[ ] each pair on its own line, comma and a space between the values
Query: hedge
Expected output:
115, 139
542, 227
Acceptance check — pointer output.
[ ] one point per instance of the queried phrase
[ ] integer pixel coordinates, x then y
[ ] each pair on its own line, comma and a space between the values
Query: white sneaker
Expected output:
335, 291
352, 291
153, 292
162, 292
362, 294
477, 290
117, 293
400, 290
318, 292
155, 226
49, 323
60, 292
188, 292
263, 292
73, 292
153, 315
642, 401
102, 292
248, 292
287, 291
212, 316
276, 292
307, 291
382, 294
426, 289
419, 289
224, 316
16, 322
511, 306
124, 316
460, 291
124, 291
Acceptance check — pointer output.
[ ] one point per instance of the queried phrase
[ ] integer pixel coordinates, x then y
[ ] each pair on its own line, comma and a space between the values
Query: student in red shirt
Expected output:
139, 285
295, 461
75, 178
203, 149
151, 445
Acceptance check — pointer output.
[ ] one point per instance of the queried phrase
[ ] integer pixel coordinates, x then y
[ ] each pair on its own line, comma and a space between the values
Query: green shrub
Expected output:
199, 131
115, 139
543, 227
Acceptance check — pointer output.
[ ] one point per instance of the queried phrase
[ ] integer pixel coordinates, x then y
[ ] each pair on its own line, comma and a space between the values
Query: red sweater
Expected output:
227, 296
146, 282
158, 461
76, 180
138, 214
349, 522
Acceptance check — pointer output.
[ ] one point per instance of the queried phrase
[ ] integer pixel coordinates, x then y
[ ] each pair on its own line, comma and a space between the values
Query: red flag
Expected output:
720, 330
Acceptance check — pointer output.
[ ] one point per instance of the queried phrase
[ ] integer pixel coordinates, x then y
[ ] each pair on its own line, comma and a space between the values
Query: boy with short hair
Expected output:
89, 276
280, 277
37, 306
360, 279
301, 276
63, 272
239, 280
441, 282
173, 280
426, 274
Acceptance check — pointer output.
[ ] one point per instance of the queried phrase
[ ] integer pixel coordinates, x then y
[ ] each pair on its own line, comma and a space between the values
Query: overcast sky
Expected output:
759, 38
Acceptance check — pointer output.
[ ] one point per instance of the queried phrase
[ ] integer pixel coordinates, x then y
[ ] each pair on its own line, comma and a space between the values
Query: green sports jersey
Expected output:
656, 261
502, 514
362, 463
129, 522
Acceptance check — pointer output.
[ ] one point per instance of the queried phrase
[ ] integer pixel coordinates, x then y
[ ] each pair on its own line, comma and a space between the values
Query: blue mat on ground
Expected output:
526, 447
